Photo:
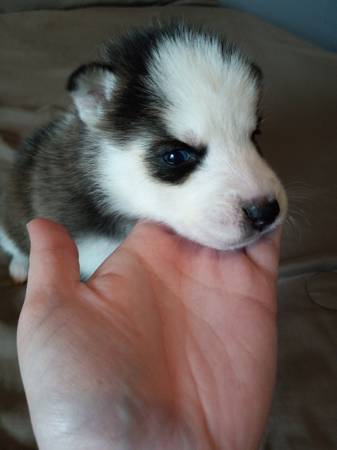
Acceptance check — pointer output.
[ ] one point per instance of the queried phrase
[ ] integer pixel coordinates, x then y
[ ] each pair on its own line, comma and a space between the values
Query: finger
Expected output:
53, 256
266, 252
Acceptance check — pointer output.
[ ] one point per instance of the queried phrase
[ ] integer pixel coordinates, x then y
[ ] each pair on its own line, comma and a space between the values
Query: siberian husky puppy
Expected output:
162, 128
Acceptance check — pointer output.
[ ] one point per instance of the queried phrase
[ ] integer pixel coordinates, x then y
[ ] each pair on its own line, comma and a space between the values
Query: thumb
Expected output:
53, 256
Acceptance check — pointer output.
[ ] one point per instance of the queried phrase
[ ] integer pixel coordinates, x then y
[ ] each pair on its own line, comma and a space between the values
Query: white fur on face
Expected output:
207, 95
210, 102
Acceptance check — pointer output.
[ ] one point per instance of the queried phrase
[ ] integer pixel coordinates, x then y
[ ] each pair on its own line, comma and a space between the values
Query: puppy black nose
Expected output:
261, 213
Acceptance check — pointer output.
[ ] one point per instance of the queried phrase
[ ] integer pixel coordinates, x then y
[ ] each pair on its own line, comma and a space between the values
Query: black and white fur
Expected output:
162, 129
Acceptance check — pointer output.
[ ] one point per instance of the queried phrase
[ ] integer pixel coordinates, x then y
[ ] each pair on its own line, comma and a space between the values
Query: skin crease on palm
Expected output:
168, 346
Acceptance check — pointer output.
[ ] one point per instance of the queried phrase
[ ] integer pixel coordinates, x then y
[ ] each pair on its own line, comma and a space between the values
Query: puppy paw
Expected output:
18, 270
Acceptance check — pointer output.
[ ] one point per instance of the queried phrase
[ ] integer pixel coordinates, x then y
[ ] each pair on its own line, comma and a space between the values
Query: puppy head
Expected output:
175, 113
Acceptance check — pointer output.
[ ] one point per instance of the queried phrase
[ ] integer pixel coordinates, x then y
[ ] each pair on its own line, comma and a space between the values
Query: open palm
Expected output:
169, 345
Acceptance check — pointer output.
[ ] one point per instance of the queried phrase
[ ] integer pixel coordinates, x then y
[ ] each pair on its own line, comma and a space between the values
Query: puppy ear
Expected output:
91, 87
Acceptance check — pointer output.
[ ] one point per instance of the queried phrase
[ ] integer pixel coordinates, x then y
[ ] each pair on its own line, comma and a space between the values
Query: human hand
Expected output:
169, 345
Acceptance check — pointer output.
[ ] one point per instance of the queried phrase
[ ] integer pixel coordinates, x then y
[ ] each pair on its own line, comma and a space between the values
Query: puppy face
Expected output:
175, 111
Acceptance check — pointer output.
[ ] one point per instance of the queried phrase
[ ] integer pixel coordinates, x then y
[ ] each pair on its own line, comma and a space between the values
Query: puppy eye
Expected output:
255, 134
178, 157
255, 140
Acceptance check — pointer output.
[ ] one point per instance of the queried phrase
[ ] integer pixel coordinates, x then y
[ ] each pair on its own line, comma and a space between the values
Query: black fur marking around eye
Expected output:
172, 174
